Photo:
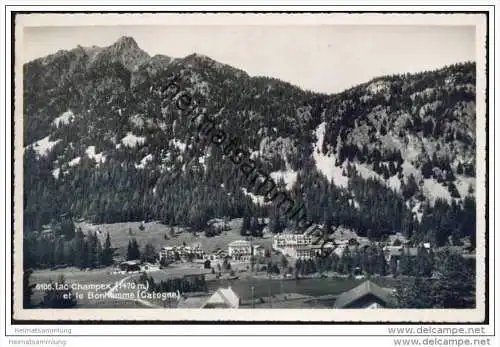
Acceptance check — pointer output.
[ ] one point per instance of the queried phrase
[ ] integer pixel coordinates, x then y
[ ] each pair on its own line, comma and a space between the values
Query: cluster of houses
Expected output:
294, 245
300, 246
239, 250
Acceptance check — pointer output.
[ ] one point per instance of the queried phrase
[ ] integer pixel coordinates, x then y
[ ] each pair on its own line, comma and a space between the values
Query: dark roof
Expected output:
192, 302
365, 288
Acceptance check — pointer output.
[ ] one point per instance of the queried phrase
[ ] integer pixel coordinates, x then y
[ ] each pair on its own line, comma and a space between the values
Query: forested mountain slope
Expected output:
103, 143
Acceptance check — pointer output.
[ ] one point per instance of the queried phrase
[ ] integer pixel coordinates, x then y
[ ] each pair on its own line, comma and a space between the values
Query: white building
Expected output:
291, 240
217, 256
240, 250
167, 252
303, 252
259, 250
171, 252
293, 245
196, 251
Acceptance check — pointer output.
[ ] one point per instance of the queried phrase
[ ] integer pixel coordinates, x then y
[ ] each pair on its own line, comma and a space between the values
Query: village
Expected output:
286, 270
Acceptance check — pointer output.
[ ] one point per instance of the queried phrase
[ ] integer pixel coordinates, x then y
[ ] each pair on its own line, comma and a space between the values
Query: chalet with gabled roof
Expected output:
366, 295
223, 298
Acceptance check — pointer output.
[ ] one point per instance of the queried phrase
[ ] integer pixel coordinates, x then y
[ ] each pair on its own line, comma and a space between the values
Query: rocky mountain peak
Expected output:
125, 43
126, 51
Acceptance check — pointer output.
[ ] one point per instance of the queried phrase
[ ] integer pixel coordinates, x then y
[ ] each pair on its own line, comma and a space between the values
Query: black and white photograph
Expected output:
247, 163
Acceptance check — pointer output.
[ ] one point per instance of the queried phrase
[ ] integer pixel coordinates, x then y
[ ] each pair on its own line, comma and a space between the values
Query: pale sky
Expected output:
322, 58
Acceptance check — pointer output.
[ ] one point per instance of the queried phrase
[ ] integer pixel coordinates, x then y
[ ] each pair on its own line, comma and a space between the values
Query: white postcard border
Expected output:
276, 314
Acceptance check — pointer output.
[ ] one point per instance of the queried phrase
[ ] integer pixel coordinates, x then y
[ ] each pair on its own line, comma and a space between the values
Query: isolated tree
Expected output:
149, 254
428, 127
254, 226
394, 266
410, 188
59, 257
453, 190
406, 263
133, 252
275, 224
427, 169
283, 262
383, 130
67, 228
386, 173
99, 254
93, 250
392, 169
85, 254
164, 262
226, 264
435, 161
298, 268
423, 263
245, 226
380, 262
345, 263
357, 259
470, 191
107, 252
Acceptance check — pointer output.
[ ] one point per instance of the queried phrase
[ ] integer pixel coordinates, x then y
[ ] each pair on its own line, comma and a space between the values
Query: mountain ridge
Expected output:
130, 42
99, 114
